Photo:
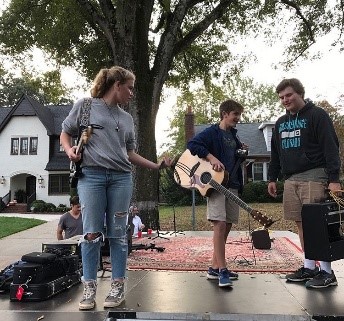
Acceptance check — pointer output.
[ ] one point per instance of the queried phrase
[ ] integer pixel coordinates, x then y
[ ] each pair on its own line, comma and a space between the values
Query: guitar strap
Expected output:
85, 114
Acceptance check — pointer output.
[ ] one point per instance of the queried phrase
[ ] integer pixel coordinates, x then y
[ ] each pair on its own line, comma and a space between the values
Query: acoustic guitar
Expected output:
194, 172
75, 167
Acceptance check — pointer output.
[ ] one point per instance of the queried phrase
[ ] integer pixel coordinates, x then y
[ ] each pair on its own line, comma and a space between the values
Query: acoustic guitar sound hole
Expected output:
205, 177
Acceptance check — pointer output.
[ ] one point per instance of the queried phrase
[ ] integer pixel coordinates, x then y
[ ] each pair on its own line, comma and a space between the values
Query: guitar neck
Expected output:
221, 189
79, 147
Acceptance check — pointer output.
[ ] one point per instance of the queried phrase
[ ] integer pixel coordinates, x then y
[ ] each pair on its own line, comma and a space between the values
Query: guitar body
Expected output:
203, 166
194, 172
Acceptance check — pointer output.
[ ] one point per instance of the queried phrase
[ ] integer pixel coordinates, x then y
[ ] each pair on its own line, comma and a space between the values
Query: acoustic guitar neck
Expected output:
228, 194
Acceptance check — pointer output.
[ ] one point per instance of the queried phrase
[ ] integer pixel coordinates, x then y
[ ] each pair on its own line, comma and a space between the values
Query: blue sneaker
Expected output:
224, 278
213, 274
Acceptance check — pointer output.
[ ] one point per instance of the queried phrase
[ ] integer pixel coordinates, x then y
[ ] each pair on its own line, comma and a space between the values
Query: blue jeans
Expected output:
104, 197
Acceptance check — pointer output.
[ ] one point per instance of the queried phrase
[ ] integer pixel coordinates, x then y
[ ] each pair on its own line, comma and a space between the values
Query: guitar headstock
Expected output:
262, 218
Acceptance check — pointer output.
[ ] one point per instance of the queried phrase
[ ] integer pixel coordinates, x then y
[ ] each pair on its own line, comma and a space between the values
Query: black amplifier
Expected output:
322, 231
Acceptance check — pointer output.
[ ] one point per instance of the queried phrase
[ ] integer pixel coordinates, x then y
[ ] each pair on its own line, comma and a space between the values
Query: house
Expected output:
256, 135
31, 157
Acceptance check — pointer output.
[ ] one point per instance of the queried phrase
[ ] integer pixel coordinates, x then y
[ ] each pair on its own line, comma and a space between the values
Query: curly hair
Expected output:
107, 77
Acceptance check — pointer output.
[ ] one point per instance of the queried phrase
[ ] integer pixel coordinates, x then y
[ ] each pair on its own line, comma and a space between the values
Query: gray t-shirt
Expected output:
107, 146
70, 225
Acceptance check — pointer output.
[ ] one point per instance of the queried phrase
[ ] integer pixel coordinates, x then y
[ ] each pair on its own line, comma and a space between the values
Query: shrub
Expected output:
38, 206
20, 196
41, 206
257, 192
62, 208
50, 207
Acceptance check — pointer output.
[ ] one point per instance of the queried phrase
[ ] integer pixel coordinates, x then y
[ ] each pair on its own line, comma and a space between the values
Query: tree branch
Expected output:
203, 25
108, 10
170, 46
98, 22
303, 18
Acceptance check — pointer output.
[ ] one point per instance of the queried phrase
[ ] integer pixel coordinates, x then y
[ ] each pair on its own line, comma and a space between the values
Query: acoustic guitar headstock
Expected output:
262, 218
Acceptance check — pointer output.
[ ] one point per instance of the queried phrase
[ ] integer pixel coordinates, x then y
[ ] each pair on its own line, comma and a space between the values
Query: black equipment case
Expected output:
63, 247
43, 291
39, 273
36, 272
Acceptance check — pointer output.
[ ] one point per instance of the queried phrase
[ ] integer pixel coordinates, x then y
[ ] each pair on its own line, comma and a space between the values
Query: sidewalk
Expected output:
159, 295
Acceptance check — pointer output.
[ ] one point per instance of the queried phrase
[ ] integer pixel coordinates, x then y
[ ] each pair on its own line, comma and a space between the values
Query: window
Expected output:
59, 184
26, 145
33, 145
24, 142
258, 172
14, 146
74, 141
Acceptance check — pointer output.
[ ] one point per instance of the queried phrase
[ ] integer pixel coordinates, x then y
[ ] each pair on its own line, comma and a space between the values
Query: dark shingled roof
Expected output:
4, 111
59, 114
51, 116
250, 134
58, 163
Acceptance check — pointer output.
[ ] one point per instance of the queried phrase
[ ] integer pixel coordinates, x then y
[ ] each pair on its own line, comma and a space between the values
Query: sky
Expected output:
322, 78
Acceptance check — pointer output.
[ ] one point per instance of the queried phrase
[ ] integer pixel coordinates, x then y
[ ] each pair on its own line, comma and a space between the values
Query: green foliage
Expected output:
260, 104
20, 196
203, 38
257, 192
41, 206
11, 225
173, 194
47, 88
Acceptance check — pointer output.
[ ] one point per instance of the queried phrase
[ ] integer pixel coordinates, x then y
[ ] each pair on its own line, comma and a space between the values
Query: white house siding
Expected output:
267, 132
15, 168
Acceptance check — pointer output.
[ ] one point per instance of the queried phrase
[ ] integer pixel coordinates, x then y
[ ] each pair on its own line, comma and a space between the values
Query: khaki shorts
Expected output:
297, 193
222, 209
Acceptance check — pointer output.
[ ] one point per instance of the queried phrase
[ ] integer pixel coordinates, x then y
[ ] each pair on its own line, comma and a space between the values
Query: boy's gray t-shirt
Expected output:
107, 147
70, 225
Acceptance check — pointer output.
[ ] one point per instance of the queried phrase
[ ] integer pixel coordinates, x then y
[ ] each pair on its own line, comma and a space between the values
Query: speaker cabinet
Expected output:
261, 239
322, 231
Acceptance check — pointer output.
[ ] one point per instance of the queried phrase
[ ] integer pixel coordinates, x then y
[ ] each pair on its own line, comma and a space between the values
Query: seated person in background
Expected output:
70, 222
136, 220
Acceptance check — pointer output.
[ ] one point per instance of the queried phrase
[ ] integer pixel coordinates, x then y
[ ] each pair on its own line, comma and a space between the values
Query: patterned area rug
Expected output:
194, 254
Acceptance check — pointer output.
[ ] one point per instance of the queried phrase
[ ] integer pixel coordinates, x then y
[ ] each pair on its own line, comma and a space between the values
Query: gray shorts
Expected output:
297, 193
222, 209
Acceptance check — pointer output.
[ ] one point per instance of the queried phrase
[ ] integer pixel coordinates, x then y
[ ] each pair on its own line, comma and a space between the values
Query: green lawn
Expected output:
11, 225
183, 218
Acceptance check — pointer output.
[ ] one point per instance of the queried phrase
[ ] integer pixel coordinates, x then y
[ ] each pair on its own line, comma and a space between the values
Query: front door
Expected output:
30, 190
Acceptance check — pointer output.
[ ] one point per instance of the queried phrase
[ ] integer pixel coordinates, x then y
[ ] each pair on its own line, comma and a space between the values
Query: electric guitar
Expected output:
193, 172
75, 167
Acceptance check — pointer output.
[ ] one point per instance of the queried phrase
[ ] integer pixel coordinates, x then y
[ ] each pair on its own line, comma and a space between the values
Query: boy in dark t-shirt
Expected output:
71, 221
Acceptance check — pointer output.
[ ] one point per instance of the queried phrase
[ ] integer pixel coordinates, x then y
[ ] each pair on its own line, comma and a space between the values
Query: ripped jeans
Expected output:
105, 198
